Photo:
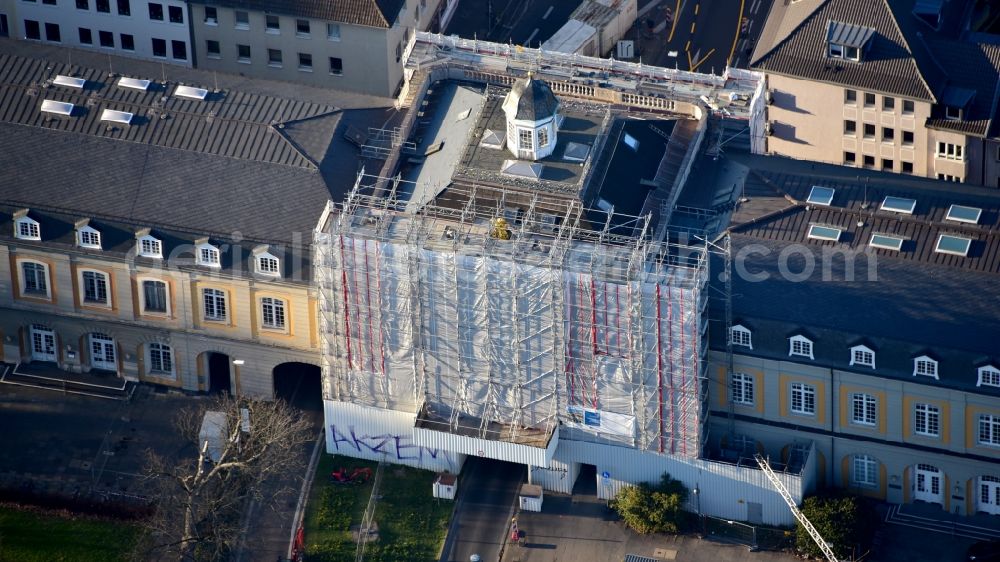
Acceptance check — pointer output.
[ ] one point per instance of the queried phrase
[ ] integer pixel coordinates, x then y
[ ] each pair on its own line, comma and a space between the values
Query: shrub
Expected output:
648, 509
844, 522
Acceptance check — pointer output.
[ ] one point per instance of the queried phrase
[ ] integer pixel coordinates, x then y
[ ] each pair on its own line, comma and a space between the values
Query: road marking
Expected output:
750, 27
696, 6
530, 37
756, 5
700, 61
677, 16
692, 28
736, 36
689, 60
687, 47
547, 12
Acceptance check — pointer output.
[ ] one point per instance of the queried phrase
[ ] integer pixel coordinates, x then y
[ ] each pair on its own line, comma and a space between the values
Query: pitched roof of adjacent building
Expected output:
236, 165
904, 302
370, 13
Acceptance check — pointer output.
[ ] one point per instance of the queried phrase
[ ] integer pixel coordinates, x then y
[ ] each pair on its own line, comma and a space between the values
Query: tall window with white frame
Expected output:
95, 287
215, 304
800, 346
864, 471
34, 279
272, 313
989, 430
863, 409
926, 420
741, 336
742, 385
154, 296
161, 360
803, 399
524, 139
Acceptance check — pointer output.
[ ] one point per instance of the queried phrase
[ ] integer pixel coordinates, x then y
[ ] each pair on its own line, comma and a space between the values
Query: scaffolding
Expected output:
563, 323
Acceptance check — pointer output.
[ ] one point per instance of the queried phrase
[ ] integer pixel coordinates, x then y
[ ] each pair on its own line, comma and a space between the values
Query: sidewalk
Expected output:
582, 528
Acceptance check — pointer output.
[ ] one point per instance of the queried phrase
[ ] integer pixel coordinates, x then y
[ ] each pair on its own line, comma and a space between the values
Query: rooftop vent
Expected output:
123, 117
57, 107
191, 92
69, 81
133, 83
519, 168
493, 139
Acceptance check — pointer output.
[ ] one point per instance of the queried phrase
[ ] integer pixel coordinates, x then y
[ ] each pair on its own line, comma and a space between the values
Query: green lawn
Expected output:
412, 524
29, 536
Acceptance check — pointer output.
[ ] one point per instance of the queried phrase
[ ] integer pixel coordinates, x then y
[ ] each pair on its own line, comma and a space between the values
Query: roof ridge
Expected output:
909, 49
791, 33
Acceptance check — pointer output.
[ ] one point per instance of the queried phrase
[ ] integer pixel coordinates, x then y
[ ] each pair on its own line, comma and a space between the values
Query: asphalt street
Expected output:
522, 22
488, 490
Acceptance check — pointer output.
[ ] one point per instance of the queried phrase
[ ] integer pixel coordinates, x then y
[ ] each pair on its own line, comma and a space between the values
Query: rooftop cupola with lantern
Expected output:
531, 109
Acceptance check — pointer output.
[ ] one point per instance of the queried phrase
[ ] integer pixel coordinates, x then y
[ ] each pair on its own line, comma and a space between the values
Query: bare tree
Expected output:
200, 500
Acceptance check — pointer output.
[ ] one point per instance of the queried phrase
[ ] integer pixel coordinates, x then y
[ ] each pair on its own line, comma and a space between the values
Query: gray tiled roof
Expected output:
973, 68
893, 63
371, 13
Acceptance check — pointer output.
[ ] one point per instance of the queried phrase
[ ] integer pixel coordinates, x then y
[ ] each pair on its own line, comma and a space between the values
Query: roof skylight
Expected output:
886, 242
954, 245
68, 81
961, 213
191, 92
57, 107
114, 116
134, 83
899, 205
821, 195
631, 141
819, 232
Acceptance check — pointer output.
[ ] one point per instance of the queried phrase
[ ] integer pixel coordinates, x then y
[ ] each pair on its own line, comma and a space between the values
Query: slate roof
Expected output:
241, 168
972, 68
533, 98
904, 303
370, 13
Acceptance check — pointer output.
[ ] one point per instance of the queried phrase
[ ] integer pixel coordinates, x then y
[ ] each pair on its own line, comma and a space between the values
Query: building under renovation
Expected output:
485, 295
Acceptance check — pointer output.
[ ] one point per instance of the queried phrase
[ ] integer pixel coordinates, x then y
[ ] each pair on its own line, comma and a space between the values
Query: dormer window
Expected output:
953, 113
741, 336
846, 41
989, 376
863, 356
208, 255
925, 366
955, 100
26, 228
88, 237
150, 247
267, 264
800, 346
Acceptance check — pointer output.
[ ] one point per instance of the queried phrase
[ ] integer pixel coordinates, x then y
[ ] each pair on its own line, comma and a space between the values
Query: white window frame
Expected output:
860, 353
34, 230
803, 390
950, 151
523, 135
85, 231
805, 347
742, 389
333, 32
923, 414
864, 471
989, 426
22, 278
82, 281
275, 304
165, 356
155, 247
988, 376
925, 366
741, 336
864, 409
217, 298
543, 137
207, 255
259, 260
140, 282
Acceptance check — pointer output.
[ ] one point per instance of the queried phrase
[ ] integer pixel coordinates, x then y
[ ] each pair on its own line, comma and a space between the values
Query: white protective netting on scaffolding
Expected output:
557, 325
